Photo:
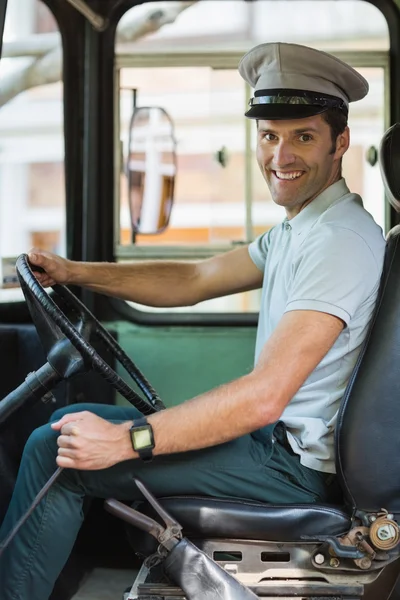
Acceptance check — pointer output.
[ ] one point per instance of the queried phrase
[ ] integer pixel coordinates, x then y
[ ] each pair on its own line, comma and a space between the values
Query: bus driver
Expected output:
269, 435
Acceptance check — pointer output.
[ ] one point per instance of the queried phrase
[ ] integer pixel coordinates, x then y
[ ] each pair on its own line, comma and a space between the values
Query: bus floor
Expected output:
105, 584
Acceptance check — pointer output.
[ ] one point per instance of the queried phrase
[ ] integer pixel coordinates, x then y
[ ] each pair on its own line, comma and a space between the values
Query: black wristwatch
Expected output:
142, 438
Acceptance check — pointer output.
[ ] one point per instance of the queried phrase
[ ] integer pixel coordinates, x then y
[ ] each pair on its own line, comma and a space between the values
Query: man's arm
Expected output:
155, 283
296, 347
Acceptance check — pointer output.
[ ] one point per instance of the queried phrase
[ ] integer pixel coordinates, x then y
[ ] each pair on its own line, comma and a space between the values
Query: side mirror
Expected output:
151, 169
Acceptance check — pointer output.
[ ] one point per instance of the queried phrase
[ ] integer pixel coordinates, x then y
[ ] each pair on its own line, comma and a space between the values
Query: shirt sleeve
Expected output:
258, 249
334, 273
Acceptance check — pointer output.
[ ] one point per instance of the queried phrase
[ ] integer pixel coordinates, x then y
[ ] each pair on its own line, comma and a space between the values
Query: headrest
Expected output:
389, 162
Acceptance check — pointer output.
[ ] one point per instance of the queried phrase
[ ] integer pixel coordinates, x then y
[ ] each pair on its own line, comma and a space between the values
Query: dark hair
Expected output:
337, 121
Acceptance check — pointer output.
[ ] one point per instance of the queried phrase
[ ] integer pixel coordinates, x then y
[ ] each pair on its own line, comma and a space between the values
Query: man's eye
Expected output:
305, 137
270, 137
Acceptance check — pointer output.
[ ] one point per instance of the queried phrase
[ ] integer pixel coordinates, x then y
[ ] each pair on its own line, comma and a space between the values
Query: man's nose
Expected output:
284, 154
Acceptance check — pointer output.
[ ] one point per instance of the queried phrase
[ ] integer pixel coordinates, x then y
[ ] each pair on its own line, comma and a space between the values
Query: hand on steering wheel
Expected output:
65, 335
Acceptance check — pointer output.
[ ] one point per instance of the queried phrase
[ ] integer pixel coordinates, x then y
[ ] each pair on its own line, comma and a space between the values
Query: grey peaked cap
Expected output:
277, 65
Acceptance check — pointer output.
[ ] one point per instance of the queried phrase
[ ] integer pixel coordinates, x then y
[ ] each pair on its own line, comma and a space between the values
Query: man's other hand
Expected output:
88, 442
56, 269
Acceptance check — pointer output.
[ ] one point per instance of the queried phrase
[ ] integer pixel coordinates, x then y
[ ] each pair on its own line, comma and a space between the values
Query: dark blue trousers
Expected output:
248, 467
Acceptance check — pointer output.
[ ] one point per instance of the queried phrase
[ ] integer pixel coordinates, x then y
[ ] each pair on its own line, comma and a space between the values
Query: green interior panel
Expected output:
182, 362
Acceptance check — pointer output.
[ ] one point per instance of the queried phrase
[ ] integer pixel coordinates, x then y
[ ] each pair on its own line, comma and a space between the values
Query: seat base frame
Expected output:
281, 571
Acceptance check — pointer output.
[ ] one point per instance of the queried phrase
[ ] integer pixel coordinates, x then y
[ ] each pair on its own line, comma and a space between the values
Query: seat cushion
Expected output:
247, 520
210, 518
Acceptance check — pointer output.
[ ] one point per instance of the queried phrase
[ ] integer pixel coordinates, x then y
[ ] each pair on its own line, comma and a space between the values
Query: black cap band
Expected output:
289, 103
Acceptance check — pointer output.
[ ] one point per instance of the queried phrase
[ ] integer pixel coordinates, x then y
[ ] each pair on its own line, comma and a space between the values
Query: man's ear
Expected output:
342, 143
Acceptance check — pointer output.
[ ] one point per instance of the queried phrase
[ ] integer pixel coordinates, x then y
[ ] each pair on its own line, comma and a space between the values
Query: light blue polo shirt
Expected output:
327, 258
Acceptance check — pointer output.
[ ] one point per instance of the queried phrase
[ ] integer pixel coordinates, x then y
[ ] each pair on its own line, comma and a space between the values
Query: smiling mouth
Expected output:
287, 176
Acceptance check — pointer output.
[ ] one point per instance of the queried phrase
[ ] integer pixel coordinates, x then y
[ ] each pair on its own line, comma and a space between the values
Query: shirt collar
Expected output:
307, 217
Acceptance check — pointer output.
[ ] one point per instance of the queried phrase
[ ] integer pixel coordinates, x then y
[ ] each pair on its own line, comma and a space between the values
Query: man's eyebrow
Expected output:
306, 130
267, 130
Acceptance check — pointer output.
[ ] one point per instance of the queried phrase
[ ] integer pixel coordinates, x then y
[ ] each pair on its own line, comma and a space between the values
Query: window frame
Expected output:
215, 60
3, 11
13, 307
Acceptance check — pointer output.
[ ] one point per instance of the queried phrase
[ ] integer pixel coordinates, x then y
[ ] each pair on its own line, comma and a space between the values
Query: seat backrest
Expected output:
368, 428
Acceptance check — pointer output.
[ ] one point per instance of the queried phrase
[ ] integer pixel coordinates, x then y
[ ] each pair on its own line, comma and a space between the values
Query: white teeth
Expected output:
292, 175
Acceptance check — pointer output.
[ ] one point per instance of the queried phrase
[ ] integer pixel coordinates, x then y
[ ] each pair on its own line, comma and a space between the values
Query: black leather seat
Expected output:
242, 519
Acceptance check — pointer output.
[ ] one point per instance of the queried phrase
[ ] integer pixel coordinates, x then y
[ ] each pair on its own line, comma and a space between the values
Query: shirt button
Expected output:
288, 227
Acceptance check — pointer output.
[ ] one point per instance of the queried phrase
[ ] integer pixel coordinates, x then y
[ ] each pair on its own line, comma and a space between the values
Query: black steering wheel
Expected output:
65, 327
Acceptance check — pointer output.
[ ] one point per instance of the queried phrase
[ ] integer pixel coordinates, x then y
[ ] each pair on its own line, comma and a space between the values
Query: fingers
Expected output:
71, 417
38, 259
82, 441
34, 256
67, 441
44, 279
70, 429
65, 462
55, 267
71, 458
68, 454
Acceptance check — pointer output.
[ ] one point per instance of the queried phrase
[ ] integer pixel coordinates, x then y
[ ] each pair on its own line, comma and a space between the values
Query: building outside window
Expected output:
32, 186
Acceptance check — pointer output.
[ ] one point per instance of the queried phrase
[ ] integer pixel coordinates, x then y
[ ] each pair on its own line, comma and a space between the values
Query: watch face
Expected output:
142, 438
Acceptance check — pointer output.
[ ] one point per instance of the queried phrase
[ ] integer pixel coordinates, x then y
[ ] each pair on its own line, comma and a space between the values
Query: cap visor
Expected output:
283, 111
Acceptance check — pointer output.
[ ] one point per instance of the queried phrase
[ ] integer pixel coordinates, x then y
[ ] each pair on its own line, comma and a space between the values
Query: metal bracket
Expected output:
341, 550
97, 21
140, 579
167, 536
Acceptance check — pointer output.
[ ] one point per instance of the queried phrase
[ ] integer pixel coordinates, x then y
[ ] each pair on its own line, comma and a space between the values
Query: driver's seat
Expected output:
319, 551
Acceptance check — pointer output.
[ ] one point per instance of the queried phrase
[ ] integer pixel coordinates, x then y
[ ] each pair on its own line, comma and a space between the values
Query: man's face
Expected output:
296, 159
